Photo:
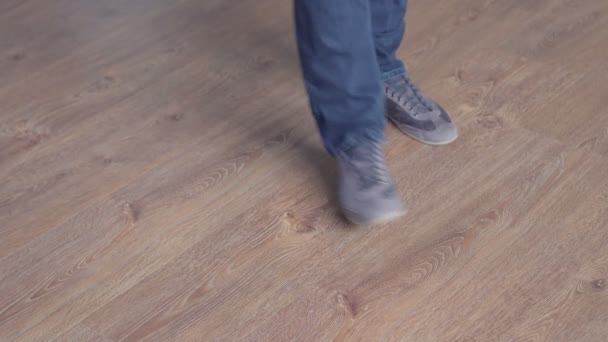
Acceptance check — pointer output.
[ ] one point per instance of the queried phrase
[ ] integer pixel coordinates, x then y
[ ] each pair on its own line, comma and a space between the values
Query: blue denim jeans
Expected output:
347, 48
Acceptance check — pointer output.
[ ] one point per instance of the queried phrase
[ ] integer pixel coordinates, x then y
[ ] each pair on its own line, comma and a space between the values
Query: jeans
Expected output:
347, 48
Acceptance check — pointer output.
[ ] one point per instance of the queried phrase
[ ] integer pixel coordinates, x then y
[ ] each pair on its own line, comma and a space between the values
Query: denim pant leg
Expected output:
388, 24
340, 70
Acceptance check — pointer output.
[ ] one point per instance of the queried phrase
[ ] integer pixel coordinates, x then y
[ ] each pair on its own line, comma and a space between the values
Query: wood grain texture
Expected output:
162, 179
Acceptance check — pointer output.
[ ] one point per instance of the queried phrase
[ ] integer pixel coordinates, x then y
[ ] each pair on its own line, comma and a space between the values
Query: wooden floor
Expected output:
162, 179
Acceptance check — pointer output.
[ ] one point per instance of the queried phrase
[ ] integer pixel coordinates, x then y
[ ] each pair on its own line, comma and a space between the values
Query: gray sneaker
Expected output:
417, 115
367, 194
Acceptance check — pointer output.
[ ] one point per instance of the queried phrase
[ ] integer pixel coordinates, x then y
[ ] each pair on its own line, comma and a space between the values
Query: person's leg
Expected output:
340, 70
414, 114
388, 24
342, 77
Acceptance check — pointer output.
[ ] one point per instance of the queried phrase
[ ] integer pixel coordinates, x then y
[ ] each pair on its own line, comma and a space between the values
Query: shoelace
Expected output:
410, 98
370, 165
378, 163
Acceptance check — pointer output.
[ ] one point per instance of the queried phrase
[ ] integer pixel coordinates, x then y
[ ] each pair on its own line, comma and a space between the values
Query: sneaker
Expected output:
417, 115
367, 194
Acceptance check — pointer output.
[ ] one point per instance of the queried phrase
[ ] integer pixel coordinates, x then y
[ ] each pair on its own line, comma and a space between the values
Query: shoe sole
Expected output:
361, 221
428, 142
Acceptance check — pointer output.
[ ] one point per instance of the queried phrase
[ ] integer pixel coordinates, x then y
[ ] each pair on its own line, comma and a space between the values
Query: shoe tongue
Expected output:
403, 87
369, 158
400, 85
365, 155
366, 148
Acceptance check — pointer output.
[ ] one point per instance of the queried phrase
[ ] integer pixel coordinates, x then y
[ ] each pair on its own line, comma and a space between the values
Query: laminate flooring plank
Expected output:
118, 144
41, 33
100, 253
90, 80
81, 333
